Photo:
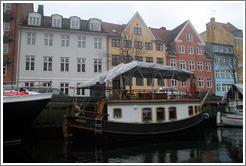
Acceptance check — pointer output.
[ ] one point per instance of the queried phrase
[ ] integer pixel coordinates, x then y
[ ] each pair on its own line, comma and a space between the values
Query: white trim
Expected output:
24, 98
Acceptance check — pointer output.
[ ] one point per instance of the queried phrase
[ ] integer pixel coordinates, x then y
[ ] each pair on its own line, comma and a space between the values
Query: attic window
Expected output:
34, 19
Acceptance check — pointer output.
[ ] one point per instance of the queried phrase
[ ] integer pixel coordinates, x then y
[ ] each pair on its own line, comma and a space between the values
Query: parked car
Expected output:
55, 91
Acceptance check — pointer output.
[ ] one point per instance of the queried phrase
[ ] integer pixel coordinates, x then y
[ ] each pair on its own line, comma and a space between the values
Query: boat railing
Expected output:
143, 94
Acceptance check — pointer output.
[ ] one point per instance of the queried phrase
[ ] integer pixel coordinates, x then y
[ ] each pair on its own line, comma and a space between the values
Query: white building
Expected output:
64, 51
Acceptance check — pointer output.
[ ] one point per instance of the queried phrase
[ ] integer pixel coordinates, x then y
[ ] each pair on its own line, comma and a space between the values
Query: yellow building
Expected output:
226, 34
134, 42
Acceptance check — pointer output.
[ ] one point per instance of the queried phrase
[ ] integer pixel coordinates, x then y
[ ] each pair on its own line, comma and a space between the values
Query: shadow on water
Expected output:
202, 145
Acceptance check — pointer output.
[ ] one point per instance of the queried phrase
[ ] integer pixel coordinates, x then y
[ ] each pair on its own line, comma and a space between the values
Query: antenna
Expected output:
212, 12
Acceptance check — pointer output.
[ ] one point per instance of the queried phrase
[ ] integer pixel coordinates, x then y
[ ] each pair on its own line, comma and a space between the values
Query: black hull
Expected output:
128, 131
18, 116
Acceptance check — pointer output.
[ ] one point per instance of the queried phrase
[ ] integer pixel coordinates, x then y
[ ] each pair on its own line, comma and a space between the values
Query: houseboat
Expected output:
233, 102
136, 113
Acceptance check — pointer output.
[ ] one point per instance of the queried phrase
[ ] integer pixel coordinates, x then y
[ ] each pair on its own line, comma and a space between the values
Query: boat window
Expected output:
172, 113
147, 114
160, 114
196, 109
190, 109
117, 113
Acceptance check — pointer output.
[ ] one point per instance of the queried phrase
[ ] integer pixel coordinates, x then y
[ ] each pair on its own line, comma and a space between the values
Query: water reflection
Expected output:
209, 145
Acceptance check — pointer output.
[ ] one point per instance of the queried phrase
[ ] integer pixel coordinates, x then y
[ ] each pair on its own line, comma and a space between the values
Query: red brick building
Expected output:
185, 50
13, 15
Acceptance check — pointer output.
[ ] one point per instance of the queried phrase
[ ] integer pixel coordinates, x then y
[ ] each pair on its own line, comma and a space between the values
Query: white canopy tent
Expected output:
141, 70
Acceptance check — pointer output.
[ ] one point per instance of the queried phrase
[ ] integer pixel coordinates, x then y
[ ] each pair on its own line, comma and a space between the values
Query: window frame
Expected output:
47, 63
151, 114
164, 114
169, 115
120, 117
81, 64
190, 112
64, 64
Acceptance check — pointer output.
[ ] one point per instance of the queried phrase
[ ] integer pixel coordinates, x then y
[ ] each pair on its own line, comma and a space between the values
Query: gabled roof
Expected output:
113, 29
133, 18
175, 32
160, 34
228, 27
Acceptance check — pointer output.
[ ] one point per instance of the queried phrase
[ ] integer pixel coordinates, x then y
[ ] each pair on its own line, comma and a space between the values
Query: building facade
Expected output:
66, 51
13, 15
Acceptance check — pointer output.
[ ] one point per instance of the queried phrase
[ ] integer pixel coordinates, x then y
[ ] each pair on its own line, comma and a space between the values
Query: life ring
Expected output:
77, 110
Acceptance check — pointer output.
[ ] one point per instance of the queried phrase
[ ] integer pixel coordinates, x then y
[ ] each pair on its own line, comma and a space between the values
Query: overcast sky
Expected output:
155, 14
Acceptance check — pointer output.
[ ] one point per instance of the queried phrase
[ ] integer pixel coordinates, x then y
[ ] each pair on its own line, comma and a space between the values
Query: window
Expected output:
147, 114
97, 65
172, 113
4, 69
29, 84
47, 63
95, 27
174, 83
228, 74
30, 62
138, 44
128, 59
81, 41
97, 43
217, 73
31, 38
196, 108
181, 49
137, 31
160, 82
159, 61
115, 60
209, 82
208, 66
190, 50
34, 20
139, 81
48, 39
159, 47
222, 61
5, 47
74, 24
7, 6
56, 22
192, 65
184, 84
148, 46
115, 43
65, 40
222, 73
80, 64
150, 82
230, 50
80, 91
189, 36
182, 64
198, 51
64, 64
139, 58
160, 114
217, 61
6, 26
190, 110
149, 59
223, 88
117, 113
201, 82
216, 48
199, 66
127, 43
218, 87
173, 62
64, 87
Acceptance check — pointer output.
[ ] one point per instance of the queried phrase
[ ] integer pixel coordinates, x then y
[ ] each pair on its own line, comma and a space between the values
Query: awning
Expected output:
141, 70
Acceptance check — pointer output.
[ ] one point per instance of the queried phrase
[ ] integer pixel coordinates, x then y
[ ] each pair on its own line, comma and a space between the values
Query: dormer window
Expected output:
95, 24
34, 19
56, 21
74, 22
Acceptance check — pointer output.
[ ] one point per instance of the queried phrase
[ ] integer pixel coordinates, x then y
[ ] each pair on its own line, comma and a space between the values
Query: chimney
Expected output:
212, 19
41, 9
163, 28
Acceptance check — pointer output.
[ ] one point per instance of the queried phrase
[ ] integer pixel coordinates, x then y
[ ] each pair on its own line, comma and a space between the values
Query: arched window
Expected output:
160, 114
147, 114
172, 113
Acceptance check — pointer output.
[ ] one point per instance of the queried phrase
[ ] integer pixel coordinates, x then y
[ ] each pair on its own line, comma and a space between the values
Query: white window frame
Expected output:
34, 20
181, 49
81, 64
65, 40
6, 26
217, 73
97, 65
48, 39
174, 83
223, 74
80, 91
5, 69
184, 84
208, 66
31, 38
48, 61
64, 62
173, 62
228, 74
190, 50
5, 48
192, 65
81, 41
201, 82
224, 88
97, 42
209, 82
30, 63
199, 66
218, 87
199, 51
64, 87
189, 37
182, 64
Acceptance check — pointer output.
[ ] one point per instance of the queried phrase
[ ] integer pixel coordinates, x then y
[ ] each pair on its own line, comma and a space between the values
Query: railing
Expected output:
13, 85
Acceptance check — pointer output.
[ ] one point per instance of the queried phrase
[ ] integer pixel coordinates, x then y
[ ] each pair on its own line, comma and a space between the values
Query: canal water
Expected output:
207, 144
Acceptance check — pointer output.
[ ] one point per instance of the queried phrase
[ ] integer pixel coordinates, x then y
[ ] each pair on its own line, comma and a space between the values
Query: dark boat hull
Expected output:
19, 115
129, 131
